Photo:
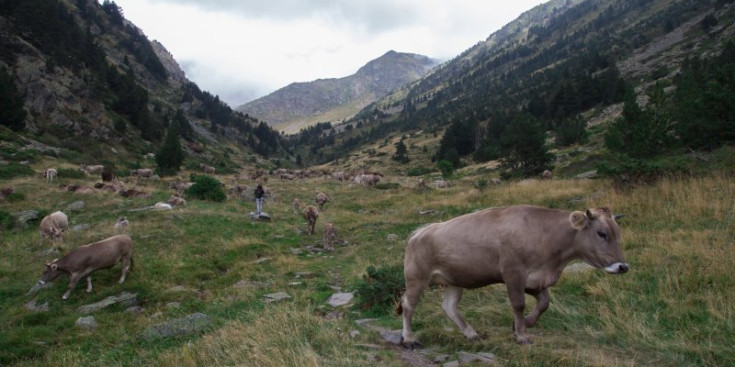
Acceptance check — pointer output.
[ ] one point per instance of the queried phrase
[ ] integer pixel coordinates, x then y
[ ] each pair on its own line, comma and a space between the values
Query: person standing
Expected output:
259, 193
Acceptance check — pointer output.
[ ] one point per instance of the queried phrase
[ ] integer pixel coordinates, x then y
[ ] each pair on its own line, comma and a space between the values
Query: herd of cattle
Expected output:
524, 247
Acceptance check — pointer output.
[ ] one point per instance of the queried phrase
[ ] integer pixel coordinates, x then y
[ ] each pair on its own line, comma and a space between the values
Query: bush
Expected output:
206, 188
418, 171
13, 170
6, 220
481, 184
446, 167
380, 289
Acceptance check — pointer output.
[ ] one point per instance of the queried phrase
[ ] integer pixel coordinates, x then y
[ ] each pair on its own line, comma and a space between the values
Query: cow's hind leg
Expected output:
74, 279
452, 296
408, 304
125, 261
89, 283
542, 303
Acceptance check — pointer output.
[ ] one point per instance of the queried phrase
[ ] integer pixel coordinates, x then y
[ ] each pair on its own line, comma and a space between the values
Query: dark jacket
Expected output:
259, 192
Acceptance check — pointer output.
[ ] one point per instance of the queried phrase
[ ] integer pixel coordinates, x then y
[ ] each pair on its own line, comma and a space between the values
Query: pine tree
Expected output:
524, 147
12, 113
170, 157
401, 152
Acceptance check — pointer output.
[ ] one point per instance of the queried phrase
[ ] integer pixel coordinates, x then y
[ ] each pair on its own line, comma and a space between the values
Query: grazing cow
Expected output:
206, 169
296, 205
179, 186
142, 172
546, 175
86, 259
50, 174
162, 205
122, 222
95, 168
330, 236
311, 213
321, 199
441, 184
339, 175
525, 247
53, 225
6, 191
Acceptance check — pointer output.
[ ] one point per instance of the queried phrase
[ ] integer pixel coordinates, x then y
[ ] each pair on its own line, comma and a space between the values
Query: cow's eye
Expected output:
602, 235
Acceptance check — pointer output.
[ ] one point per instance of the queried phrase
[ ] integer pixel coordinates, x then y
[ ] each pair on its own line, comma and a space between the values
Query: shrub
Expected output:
480, 184
6, 220
13, 170
380, 289
418, 171
206, 188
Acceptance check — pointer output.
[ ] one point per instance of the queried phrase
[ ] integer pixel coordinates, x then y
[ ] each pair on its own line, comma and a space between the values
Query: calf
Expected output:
53, 225
50, 174
82, 261
311, 213
296, 205
525, 247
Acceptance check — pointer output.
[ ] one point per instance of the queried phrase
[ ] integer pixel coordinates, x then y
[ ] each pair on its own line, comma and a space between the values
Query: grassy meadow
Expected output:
676, 307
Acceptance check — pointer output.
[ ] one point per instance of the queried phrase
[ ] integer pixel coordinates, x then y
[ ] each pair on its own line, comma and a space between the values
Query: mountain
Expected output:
560, 62
83, 82
300, 105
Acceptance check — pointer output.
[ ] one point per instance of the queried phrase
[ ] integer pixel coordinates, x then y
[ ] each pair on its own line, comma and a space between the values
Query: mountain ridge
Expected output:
303, 104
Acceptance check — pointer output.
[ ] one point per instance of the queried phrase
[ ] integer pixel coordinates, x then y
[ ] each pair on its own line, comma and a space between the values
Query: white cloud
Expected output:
242, 50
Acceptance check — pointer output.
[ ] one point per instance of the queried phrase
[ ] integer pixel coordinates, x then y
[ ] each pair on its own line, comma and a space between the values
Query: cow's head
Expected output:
598, 239
50, 273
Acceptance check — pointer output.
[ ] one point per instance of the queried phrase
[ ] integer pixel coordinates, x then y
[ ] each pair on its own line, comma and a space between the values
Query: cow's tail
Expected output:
399, 309
132, 265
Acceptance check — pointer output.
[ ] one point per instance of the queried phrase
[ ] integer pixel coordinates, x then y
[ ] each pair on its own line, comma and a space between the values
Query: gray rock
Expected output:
32, 306
22, 218
484, 358
340, 299
588, 174
86, 322
135, 309
276, 297
190, 324
391, 336
77, 205
124, 298
262, 217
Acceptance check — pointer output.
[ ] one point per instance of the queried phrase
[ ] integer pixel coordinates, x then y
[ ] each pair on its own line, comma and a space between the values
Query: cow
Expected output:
142, 172
53, 225
179, 186
330, 236
546, 175
296, 205
122, 222
84, 260
50, 174
311, 213
321, 199
206, 169
525, 247
95, 168
441, 184
421, 184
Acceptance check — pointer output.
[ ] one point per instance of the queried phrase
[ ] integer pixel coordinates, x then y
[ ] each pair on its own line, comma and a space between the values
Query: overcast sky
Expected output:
241, 50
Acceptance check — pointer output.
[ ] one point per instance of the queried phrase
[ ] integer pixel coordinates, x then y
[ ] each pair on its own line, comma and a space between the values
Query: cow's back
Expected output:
471, 250
103, 254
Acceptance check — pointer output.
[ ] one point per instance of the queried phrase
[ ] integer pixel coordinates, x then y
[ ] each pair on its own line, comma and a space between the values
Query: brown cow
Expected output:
321, 199
142, 172
330, 236
525, 247
311, 213
86, 259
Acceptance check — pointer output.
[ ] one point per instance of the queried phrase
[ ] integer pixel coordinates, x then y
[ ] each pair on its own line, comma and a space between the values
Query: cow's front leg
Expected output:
542, 303
75, 278
89, 284
452, 296
517, 296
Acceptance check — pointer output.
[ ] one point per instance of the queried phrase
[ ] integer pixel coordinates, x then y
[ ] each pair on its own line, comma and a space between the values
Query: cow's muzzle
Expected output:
36, 287
617, 268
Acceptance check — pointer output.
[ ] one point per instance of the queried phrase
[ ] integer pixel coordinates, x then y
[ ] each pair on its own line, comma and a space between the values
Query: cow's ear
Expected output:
578, 220
54, 267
